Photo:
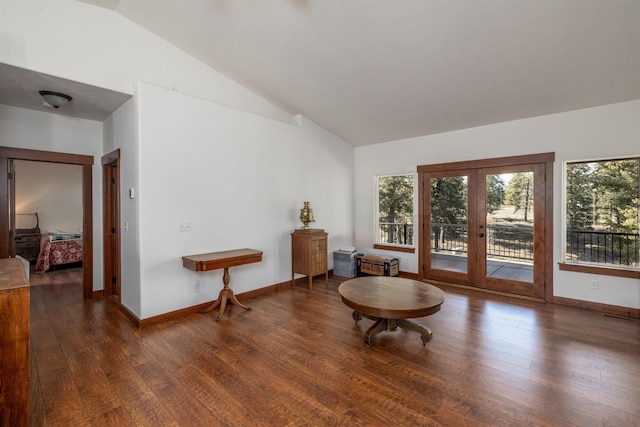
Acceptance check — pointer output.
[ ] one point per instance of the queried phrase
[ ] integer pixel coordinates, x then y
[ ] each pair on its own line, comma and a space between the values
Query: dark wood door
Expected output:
448, 243
12, 208
111, 223
486, 224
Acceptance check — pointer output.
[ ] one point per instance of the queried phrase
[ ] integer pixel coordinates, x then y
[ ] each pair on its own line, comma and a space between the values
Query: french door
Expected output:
487, 224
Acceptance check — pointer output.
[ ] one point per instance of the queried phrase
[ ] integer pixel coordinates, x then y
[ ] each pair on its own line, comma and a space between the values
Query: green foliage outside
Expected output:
495, 193
519, 193
395, 203
603, 196
603, 218
448, 206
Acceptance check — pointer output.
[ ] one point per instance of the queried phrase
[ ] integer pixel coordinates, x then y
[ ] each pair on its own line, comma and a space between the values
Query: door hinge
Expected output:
10, 175
113, 280
113, 180
113, 230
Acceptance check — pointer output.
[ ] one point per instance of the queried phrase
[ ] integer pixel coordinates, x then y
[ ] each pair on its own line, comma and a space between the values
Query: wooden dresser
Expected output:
14, 343
28, 246
309, 254
28, 241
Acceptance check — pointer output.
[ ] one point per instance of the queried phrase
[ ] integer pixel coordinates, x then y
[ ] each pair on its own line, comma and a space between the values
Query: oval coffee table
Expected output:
391, 302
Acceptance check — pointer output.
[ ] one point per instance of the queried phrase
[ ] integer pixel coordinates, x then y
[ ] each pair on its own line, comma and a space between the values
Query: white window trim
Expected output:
376, 210
563, 220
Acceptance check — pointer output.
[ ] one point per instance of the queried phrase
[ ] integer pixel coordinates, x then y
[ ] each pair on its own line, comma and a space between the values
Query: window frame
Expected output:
376, 215
591, 267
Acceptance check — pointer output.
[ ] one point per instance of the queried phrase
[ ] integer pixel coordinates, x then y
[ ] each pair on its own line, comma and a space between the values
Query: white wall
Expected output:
98, 46
241, 180
54, 191
606, 131
121, 132
36, 130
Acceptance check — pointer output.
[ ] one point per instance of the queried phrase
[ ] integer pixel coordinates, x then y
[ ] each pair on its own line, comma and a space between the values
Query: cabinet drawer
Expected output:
319, 244
319, 263
28, 246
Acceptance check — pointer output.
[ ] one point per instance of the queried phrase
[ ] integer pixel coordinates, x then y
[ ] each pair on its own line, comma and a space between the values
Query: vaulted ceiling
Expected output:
378, 70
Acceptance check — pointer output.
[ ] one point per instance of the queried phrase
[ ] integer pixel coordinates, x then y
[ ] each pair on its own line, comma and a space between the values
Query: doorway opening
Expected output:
7, 206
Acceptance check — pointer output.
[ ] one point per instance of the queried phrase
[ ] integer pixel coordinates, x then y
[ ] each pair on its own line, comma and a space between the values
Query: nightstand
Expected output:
309, 254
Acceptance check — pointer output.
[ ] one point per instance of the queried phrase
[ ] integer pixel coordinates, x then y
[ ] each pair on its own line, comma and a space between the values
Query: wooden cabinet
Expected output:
28, 246
28, 240
309, 254
14, 343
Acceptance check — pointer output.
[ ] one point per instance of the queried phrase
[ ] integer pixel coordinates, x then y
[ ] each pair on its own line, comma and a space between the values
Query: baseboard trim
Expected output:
485, 291
632, 313
407, 275
616, 310
172, 315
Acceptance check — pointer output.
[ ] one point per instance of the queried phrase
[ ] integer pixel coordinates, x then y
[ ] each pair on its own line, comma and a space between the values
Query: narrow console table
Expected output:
224, 259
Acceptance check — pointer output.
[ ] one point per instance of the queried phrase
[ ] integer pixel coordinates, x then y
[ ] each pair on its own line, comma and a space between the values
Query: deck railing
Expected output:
604, 247
396, 233
503, 242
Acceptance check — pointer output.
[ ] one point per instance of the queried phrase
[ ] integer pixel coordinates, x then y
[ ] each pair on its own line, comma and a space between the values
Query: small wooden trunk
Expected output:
373, 265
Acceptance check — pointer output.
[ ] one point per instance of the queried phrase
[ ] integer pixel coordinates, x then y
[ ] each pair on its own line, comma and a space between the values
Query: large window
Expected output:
602, 215
394, 210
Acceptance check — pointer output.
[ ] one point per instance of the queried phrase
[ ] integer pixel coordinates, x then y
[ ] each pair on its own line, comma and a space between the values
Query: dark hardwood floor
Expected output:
298, 359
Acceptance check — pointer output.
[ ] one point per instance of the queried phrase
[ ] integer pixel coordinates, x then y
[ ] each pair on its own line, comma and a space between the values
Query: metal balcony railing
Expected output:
396, 233
506, 242
503, 242
603, 247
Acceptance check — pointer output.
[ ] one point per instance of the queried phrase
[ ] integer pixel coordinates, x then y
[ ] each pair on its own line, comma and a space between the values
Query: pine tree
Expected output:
495, 192
395, 201
448, 206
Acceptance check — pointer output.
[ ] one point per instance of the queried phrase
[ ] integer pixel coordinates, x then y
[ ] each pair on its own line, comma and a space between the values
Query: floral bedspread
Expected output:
58, 252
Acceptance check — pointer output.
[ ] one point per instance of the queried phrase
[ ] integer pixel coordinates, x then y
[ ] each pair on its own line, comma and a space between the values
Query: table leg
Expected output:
226, 294
391, 325
379, 326
410, 325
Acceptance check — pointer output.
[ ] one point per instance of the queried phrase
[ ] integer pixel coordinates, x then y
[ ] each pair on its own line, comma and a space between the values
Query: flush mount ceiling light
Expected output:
55, 99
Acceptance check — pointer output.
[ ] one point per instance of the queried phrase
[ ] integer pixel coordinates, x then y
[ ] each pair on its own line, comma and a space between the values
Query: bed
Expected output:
59, 249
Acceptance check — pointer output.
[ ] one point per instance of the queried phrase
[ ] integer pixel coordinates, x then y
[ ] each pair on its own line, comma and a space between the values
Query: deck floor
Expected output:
495, 268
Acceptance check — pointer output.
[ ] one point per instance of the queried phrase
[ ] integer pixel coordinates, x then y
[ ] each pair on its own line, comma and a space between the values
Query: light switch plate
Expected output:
185, 226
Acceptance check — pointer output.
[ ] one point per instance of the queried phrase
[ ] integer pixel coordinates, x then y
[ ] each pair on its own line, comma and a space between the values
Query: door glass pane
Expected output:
509, 207
449, 223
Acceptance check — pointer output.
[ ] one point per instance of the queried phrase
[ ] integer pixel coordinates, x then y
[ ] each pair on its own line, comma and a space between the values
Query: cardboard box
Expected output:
344, 264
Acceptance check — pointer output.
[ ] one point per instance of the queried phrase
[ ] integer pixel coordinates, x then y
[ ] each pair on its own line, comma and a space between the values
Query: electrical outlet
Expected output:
594, 284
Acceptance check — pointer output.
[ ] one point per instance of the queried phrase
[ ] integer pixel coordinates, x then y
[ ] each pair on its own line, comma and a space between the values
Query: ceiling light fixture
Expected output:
55, 99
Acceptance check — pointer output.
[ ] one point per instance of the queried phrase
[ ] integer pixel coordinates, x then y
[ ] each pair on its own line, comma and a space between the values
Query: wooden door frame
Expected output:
545, 158
111, 203
539, 238
424, 224
9, 153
